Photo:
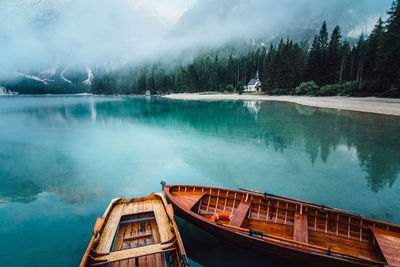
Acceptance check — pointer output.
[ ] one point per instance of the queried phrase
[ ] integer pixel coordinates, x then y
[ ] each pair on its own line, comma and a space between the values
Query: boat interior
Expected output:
296, 224
136, 232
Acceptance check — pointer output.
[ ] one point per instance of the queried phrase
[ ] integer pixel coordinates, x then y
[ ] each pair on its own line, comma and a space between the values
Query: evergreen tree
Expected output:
214, 78
298, 65
230, 71
388, 69
324, 46
150, 84
191, 79
317, 67
180, 80
360, 56
314, 60
375, 41
262, 60
334, 56
267, 79
344, 65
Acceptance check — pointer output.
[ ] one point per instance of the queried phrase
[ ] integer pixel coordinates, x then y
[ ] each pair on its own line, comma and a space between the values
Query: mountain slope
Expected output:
217, 21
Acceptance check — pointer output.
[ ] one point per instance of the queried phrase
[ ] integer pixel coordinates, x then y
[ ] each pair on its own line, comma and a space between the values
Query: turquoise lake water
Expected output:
63, 158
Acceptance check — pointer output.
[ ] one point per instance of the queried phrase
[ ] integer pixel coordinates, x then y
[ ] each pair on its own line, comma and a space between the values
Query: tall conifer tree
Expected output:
334, 57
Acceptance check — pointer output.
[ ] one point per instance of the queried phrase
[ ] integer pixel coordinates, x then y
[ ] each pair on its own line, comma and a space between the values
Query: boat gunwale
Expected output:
295, 203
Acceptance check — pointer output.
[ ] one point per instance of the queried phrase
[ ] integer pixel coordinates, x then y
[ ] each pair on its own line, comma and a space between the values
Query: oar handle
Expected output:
287, 198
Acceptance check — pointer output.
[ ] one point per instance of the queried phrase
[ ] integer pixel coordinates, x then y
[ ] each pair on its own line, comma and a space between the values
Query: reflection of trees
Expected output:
320, 135
19, 191
321, 130
375, 138
277, 125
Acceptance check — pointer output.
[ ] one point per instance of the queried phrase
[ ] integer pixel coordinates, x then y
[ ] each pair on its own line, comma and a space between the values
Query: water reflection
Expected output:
42, 124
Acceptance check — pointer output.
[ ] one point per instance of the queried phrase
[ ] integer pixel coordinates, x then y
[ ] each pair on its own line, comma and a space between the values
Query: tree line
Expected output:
331, 66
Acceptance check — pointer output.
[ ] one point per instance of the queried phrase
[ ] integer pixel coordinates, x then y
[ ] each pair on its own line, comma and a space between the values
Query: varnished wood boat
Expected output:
136, 232
296, 230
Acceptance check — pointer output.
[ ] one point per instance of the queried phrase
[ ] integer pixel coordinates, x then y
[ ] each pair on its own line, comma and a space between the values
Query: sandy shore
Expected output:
364, 104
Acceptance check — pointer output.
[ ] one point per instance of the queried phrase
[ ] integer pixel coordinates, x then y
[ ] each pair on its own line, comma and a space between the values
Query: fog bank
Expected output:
38, 34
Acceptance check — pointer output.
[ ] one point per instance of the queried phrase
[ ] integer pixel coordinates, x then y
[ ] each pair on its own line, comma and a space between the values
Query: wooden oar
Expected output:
170, 212
299, 201
251, 232
97, 227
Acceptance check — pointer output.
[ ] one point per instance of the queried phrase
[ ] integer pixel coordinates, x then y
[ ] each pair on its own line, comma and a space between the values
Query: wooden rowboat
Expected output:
305, 232
136, 232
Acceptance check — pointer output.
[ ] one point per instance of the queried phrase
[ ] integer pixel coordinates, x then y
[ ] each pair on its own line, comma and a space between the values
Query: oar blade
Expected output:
170, 211
98, 225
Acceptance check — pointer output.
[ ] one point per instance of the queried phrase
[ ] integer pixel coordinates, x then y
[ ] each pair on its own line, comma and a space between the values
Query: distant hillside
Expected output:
213, 22
52, 80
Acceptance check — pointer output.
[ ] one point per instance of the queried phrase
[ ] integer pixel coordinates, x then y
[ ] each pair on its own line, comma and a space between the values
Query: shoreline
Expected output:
386, 106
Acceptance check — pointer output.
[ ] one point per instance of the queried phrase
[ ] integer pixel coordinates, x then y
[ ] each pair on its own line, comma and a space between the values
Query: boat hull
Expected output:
277, 252
290, 254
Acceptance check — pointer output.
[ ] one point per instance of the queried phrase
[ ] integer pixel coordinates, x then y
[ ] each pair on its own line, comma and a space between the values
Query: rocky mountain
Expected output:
55, 79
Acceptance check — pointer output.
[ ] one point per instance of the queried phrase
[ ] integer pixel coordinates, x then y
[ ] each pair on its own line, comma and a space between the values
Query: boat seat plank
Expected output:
163, 224
240, 213
133, 253
107, 236
300, 227
133, 208
189, 199
389, 243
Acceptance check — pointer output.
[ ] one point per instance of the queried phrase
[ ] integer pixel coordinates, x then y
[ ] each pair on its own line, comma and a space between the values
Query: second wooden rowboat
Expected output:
136, 232
296, 230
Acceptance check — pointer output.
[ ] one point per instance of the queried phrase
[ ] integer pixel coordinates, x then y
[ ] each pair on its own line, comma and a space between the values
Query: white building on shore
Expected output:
254, 85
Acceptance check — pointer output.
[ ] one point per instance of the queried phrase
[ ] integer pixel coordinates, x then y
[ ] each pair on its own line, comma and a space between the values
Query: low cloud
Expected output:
38, 34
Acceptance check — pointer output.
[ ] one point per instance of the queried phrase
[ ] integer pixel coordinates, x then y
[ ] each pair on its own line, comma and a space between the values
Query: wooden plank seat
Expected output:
300, 227
389, 243
133, 253
240, 213
190, 199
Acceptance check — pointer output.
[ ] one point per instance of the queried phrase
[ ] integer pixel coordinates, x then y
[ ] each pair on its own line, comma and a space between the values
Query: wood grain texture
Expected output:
134, 253
164, 227
240, 213
107, 236
189, 199
389, 244
300, 227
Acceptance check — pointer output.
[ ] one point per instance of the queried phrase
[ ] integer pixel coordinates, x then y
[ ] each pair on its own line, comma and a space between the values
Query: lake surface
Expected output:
63, 158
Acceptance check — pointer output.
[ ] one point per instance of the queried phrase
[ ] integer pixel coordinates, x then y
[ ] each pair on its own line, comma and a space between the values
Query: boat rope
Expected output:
130, 201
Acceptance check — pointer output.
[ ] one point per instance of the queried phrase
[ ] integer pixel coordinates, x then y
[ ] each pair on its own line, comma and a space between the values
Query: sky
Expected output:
38, 34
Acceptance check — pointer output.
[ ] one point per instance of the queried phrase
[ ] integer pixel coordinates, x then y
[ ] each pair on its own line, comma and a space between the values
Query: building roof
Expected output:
253, 81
